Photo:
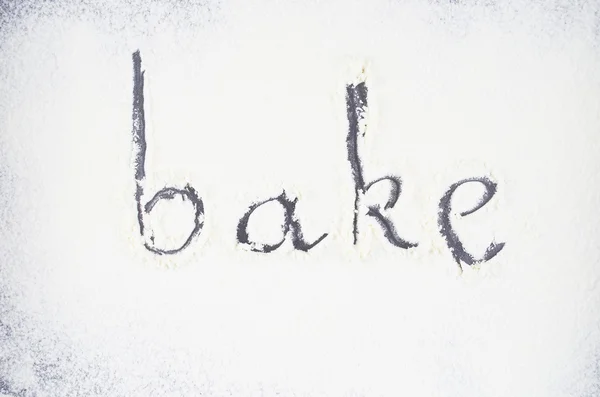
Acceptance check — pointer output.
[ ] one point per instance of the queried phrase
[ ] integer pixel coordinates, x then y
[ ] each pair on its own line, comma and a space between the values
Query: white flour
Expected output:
245, 99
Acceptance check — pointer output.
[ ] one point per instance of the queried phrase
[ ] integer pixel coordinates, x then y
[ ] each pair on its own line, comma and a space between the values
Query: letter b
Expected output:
167, 193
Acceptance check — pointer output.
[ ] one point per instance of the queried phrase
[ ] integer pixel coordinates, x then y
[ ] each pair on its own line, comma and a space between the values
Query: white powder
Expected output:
246, 99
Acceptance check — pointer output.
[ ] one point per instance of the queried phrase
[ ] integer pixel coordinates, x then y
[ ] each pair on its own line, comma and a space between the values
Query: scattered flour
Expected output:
244, 99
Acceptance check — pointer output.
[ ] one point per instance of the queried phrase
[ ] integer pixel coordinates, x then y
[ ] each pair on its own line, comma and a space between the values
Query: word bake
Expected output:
356, 105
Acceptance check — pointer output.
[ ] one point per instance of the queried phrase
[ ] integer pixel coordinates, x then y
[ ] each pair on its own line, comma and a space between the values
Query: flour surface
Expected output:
246, 100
